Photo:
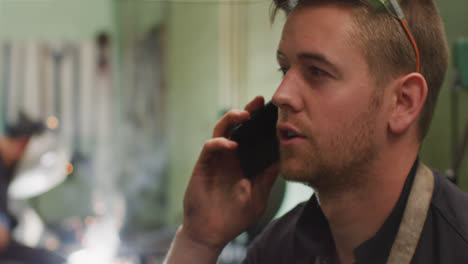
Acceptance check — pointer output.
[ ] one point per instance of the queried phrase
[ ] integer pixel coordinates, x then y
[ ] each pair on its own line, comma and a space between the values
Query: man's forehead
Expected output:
325, 34
316, 27
333, 13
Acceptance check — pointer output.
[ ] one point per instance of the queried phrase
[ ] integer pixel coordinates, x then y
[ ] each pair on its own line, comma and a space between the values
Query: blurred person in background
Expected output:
13, 145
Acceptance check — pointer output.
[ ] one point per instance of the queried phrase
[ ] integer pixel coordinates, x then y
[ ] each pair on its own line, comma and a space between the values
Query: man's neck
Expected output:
356, 214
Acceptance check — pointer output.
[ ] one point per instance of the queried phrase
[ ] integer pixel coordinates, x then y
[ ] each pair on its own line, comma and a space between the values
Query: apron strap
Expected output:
414, 217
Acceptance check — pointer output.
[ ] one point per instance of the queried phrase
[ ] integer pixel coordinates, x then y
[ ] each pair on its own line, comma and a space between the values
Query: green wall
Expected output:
192, 85
263, 76
436, 150
55, 19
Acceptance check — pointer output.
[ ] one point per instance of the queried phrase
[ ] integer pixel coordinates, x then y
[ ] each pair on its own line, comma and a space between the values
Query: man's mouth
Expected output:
290, 135
288, 132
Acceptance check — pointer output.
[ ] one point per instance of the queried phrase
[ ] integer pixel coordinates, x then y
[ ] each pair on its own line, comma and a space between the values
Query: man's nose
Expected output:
288, 94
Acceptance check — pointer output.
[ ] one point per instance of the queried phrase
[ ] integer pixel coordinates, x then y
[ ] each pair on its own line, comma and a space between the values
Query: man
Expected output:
12, 148
359, 90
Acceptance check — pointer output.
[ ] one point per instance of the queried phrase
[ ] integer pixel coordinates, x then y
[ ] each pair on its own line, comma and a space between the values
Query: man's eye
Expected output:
316, 72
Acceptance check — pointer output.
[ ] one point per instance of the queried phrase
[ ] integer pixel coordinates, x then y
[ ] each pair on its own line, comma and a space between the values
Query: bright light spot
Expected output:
104, 236
52, 122
101, 242
99, 208
88, 256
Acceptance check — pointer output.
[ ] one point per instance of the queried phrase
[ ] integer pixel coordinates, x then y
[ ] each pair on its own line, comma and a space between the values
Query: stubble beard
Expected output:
334, 162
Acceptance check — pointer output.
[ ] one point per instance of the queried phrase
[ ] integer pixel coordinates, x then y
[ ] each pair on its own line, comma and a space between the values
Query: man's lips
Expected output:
288, 132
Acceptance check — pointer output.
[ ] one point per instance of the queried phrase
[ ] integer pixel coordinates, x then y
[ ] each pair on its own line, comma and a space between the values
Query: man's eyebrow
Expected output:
319, 58
313, 56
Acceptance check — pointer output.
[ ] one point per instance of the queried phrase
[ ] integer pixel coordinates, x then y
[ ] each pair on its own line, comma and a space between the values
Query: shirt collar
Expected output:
313, 234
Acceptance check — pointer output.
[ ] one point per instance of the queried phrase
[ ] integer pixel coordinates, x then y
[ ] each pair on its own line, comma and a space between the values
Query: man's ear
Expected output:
409, 95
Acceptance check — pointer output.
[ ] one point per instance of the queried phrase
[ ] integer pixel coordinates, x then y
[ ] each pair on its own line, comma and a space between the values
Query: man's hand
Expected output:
220, 203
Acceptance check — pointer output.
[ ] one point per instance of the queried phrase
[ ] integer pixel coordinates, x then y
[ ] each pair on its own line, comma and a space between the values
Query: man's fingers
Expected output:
255, 104
216, 145
217, 149
228, 122
232, 118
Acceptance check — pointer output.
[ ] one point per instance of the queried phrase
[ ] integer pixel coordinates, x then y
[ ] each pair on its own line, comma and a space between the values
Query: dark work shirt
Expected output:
377, 249
303, 234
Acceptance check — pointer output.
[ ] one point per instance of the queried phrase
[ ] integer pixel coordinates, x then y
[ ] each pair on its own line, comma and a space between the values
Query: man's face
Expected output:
327, 98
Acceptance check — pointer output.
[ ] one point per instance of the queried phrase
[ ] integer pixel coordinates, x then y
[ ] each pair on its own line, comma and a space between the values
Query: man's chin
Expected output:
298, 165
294, 173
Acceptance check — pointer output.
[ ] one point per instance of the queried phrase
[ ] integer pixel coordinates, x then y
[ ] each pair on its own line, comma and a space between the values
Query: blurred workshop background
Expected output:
130, 90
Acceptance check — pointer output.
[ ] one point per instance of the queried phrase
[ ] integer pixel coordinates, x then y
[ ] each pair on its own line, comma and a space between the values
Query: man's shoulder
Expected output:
445, 235
449, 213
450, 205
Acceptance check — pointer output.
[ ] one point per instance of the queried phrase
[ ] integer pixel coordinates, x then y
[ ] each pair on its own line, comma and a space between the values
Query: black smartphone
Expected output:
258, 143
